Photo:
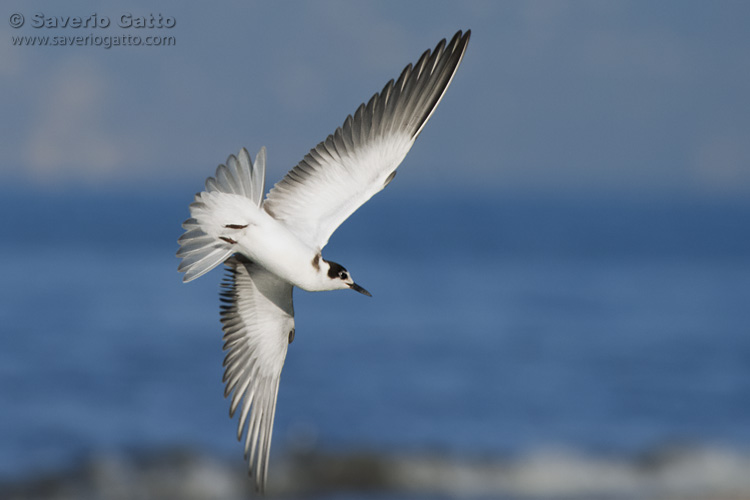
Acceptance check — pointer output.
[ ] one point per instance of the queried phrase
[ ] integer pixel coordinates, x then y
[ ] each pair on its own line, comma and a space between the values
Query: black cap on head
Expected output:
335, 270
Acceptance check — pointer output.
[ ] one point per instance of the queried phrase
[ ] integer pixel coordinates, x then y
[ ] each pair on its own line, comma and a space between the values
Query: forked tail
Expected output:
235, 190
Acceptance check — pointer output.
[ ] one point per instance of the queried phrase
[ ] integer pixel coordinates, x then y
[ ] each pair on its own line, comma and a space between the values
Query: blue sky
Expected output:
585, 98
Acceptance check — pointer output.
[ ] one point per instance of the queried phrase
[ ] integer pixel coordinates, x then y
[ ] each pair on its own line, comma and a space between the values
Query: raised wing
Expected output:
360, 158
258, 323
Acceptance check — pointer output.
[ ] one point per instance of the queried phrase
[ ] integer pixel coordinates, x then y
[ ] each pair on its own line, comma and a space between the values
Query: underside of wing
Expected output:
258, 323
360, 158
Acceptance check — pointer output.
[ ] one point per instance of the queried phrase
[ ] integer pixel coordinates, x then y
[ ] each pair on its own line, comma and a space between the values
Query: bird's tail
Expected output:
235, 191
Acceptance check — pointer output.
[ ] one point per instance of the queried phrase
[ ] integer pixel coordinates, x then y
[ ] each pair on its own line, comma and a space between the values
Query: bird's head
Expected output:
341, 279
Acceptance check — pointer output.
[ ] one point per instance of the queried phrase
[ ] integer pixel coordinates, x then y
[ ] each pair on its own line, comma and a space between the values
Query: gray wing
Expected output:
258, 323
360, 158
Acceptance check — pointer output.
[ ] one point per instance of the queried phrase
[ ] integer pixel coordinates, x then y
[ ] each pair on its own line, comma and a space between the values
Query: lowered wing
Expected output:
258, 323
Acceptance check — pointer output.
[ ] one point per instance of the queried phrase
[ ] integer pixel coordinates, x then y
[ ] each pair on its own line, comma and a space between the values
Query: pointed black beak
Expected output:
359, 289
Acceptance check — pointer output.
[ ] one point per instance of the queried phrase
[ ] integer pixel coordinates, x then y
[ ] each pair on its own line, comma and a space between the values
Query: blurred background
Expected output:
561, 270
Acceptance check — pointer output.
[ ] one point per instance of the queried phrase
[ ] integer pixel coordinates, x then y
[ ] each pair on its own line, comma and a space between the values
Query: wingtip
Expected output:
461, 38
187, 277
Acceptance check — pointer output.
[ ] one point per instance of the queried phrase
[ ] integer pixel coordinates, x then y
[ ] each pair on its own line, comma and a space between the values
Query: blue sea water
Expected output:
497, 326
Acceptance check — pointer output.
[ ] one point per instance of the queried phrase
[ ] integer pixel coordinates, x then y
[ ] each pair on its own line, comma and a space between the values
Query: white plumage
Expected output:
271, 246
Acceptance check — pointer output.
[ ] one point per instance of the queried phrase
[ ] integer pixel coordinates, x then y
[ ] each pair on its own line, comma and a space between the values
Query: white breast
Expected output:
271, 245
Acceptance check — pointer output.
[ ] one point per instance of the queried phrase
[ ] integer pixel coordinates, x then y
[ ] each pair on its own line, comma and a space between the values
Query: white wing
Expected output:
360, 158
258, 323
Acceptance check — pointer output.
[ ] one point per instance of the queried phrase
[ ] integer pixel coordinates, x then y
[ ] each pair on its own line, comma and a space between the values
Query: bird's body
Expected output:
271, 246
285, 256
262, 239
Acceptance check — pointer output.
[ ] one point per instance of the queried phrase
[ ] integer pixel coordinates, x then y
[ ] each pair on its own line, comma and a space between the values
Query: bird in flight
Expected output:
271, 246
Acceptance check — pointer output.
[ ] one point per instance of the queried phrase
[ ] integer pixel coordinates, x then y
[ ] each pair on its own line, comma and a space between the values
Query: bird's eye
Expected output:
342, 275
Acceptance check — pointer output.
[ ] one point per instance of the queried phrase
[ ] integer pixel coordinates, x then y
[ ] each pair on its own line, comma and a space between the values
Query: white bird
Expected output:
272, 246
